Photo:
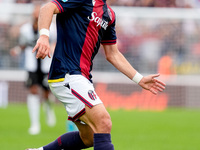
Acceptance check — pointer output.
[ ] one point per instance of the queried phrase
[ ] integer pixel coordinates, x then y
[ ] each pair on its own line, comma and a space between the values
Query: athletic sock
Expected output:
70, 140
49, 112
33, 103
102, 142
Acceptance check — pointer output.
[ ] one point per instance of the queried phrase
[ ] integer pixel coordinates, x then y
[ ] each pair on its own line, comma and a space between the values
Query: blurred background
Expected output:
155, 36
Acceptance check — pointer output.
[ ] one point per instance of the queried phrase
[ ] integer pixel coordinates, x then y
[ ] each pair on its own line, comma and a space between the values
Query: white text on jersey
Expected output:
98, 20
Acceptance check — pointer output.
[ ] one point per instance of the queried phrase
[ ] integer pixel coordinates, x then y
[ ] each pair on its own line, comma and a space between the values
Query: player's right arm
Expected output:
115, 57
45, 18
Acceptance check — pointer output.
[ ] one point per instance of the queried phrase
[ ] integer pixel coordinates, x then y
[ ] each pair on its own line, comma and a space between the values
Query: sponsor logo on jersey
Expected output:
100, 22
92, 95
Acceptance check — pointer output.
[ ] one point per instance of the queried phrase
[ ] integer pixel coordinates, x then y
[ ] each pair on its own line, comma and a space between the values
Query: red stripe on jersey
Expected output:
90, 40
108, 42
58, 5
77, 116
81, 98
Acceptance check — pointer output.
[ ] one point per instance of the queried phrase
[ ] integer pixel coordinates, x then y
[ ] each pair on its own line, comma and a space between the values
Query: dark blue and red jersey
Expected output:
82, 25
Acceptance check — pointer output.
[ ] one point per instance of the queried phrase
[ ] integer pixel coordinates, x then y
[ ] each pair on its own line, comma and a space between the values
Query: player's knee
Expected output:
105, 125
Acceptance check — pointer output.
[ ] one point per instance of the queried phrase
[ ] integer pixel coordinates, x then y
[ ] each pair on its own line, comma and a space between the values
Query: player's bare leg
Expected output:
99, 120
86, 133
96, 132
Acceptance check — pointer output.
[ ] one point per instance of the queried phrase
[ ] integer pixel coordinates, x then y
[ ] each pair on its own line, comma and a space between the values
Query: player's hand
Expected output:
42, 47
153, 85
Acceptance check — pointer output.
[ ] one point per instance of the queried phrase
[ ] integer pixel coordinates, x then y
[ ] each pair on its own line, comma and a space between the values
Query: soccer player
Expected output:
82, 25
37, 73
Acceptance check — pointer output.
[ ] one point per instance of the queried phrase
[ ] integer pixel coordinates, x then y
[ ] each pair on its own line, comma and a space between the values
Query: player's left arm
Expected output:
115, 57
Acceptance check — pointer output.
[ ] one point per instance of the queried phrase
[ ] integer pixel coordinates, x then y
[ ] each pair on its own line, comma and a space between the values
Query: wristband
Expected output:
44, 32
137, 77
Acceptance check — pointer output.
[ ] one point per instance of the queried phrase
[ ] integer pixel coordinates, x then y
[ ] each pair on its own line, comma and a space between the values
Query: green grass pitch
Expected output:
173, 129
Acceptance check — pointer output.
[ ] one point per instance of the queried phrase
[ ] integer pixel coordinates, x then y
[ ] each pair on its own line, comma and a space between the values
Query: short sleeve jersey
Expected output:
82, 25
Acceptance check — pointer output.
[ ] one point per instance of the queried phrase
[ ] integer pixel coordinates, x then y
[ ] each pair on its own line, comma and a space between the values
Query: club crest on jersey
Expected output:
64, 0
92, 95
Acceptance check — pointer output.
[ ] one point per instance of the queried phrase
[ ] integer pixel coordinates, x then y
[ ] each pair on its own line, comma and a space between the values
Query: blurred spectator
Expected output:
184, 3
173, 33
112, 2
3, 36
165, 3
135, 3
126, 3
23, 1
37, 72
166, 65
155, 3
4, 42
7, 1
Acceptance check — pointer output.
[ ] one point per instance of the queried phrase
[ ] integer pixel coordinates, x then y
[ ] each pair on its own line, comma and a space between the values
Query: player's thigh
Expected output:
97, 118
